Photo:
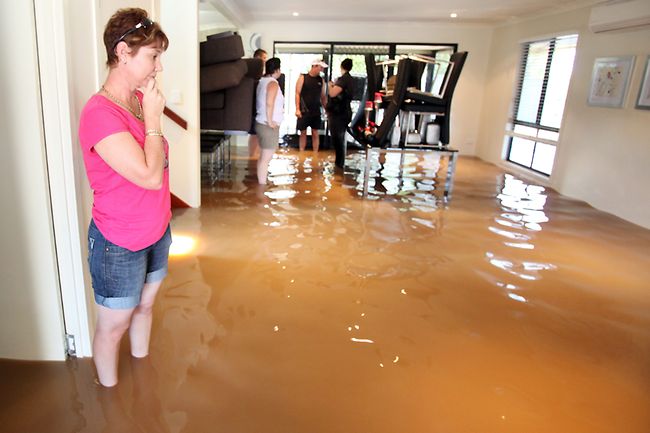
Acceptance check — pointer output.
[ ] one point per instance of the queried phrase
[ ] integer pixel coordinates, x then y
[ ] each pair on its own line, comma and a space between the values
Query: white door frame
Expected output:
65, 187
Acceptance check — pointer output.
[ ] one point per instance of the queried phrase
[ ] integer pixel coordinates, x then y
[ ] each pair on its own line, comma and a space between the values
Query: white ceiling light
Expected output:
453, 14
295, 14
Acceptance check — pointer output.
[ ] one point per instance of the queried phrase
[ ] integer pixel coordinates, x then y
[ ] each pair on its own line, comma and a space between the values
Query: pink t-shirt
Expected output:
127, 215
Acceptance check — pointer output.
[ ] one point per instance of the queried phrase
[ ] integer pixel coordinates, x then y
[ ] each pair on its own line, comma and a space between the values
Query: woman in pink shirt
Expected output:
125, 155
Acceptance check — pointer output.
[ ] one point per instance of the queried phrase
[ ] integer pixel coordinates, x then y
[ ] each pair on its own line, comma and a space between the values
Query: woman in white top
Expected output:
270, 111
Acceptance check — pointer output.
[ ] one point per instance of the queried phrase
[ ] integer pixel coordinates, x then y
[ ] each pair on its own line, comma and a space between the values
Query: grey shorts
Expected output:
268, 137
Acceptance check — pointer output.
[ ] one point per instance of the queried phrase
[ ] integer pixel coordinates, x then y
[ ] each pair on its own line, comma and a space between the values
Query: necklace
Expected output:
137, 115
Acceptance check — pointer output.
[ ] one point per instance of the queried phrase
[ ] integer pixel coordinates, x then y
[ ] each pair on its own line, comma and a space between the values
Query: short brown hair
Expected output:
122, 27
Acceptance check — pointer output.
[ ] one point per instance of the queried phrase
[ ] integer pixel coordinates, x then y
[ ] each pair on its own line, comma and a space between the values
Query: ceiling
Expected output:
242, 12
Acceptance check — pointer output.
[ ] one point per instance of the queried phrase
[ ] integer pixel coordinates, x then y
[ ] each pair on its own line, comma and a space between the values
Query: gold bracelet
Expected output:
153, 132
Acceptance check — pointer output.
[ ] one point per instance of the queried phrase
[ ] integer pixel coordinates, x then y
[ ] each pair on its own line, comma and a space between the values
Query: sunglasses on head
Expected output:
145, 23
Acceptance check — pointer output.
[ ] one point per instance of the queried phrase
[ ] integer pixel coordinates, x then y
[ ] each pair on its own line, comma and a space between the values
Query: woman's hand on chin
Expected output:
153, 101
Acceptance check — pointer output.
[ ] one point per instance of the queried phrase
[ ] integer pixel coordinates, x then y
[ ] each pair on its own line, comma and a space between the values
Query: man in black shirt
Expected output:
310, 97
339, 110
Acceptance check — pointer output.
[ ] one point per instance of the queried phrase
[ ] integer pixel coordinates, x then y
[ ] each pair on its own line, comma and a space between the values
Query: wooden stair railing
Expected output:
175, 117
175, 201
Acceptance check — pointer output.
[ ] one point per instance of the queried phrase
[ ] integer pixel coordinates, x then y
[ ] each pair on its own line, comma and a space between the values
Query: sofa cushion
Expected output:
213, 100
212, 119
236, 114
255, 68
223, 49
239, 103
221, 35
222, 75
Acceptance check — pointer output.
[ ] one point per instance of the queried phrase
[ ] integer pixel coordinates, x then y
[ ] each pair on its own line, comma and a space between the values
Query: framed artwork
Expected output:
609, 81
643, 101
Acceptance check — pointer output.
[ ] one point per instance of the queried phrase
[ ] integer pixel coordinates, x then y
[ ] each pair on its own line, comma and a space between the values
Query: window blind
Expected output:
538, 106
543, 82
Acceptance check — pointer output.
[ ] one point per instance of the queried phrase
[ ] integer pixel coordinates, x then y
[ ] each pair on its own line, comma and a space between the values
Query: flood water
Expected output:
306, 306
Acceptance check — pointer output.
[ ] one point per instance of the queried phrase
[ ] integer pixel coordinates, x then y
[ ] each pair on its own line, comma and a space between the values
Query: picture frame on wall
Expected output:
643, 101
610, 79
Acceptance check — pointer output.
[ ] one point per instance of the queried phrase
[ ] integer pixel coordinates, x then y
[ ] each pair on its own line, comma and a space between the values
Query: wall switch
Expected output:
176, 97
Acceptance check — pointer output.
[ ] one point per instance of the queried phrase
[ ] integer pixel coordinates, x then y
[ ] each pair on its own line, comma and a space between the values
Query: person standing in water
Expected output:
125, 154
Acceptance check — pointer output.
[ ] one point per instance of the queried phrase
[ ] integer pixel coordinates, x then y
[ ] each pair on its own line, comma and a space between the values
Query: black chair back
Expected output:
440, 104
371, 73
451, 79
404, 77
369, 92
358, 117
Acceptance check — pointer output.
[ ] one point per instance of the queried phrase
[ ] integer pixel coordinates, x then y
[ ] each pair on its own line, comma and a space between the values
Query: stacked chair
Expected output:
410, 98
422, 102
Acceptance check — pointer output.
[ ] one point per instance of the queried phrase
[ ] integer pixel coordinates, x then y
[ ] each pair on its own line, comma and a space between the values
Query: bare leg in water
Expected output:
111, 326
263, 165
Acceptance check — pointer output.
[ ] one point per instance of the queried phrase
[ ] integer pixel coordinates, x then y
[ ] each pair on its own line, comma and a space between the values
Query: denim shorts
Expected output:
118, 274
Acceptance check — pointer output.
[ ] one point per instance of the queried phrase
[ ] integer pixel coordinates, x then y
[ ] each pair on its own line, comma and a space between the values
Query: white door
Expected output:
64, 172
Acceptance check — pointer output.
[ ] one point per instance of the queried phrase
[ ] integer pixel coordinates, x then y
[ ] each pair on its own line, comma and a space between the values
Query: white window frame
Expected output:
510, 134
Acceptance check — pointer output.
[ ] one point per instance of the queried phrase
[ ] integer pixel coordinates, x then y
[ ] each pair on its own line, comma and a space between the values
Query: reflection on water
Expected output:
404, 176
420, 288
521, 213
306, 307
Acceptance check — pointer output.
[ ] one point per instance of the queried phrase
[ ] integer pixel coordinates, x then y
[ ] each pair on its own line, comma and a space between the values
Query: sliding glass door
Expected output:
356, 52
296, 59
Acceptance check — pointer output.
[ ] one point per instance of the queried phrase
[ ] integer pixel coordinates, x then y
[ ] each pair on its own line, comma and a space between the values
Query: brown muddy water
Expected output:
305, 307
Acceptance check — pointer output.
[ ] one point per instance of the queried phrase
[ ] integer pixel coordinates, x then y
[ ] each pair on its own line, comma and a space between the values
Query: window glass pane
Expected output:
543, 160
526, 130
433, 75
521, 151
427, 50
378, 50
296, 59
294, 64
427, 78
439, 76
558, 81
358, 74
356, 52
549, 135
533, 79
301, 48
542, 89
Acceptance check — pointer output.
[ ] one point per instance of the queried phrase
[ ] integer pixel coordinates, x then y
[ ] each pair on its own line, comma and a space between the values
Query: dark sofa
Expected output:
227, 83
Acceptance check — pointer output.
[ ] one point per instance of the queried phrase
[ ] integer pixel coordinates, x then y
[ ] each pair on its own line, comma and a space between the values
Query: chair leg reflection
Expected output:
452, 155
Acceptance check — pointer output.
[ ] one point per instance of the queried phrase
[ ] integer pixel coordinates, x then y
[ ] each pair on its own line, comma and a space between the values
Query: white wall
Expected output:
603, 153
475, 39
31, 318
180, 84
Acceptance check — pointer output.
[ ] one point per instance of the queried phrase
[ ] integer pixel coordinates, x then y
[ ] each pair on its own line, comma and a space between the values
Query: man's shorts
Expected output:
118, 274
314, 122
